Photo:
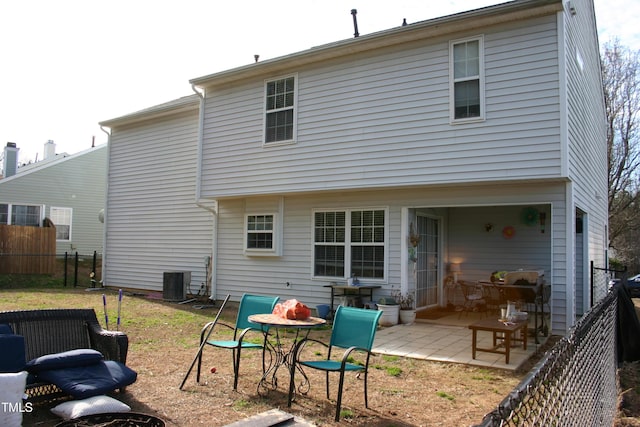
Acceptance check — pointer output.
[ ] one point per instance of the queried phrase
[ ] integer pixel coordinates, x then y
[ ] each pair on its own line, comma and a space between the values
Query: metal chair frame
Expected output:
353, 330
249, 304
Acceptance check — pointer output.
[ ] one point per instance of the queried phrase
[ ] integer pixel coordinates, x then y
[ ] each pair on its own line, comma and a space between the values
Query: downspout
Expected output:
209, 205
104, 214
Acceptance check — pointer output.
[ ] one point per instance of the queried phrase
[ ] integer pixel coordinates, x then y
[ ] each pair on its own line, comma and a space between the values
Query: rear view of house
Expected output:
466, 144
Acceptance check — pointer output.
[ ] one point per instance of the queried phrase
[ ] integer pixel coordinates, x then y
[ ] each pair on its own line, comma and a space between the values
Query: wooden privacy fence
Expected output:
27, 250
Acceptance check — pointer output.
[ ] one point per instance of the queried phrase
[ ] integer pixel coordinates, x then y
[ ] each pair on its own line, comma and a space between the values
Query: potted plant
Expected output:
407, 306
390, 310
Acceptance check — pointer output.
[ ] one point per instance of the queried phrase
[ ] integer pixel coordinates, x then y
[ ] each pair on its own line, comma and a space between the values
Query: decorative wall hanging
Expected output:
488, 227
508, 232
412, 255
530, 216
543, 220
414, 238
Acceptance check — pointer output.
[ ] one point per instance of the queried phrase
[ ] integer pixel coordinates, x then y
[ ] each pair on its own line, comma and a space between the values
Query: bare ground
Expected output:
163, 343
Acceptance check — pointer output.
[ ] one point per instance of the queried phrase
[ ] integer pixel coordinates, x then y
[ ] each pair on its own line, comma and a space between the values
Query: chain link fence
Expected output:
575, 384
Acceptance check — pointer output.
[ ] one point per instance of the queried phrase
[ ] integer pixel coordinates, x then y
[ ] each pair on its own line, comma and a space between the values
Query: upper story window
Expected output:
467, 79
350, 242
61, 218
21, 215
280, 115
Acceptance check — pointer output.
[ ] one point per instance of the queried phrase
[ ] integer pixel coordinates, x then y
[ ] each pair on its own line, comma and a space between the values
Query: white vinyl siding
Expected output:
153, 222
586, 155
61, 218
383, 120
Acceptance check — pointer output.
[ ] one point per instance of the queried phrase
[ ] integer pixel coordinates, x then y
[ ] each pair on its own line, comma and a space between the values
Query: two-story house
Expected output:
481, 135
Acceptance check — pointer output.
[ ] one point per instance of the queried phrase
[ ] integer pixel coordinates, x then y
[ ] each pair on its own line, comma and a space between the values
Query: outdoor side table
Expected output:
345, 290
282, 353
507, 329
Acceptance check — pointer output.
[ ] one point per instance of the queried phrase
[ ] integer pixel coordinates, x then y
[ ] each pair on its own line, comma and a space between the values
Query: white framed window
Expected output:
261, 234
466, 63
350, 241
280, 110
61, 218
30, 215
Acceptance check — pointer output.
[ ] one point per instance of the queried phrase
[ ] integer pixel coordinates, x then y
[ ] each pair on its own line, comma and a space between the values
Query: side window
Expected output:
4, 213
280, 114
467, 80
61, 218
261, 234
26, 215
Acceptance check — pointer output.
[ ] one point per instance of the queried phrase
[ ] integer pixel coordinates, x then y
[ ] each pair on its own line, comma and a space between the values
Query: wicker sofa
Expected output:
54, 331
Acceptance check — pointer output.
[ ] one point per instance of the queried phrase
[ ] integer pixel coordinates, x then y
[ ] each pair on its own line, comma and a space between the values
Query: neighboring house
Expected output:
483, 133
67, 189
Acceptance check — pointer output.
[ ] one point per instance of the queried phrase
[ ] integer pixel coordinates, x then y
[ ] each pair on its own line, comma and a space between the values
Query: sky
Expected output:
67, 65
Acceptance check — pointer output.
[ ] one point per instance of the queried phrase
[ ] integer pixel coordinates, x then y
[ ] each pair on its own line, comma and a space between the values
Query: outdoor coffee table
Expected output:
281, 352
508, 331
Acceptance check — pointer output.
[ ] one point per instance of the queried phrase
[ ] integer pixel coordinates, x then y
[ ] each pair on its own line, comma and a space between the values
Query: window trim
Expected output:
480, 78
347, 244
70, 210
294, 131
275, 232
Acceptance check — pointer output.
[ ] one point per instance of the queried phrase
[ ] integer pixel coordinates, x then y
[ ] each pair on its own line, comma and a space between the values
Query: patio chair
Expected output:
493, 296
353, 330
473, 298
249, 304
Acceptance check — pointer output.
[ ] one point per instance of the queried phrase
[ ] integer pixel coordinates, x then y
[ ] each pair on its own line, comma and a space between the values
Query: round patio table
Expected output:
281, 353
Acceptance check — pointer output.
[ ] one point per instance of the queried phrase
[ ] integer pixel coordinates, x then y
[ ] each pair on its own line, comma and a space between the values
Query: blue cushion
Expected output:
12, 357
93, 380
66, 359
5, 329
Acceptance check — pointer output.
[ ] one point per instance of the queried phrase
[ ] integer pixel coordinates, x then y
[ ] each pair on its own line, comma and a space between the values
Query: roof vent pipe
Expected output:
354, 12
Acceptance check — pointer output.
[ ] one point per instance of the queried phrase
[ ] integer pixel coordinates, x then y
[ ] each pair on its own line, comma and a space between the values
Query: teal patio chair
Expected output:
354, 330
249, 304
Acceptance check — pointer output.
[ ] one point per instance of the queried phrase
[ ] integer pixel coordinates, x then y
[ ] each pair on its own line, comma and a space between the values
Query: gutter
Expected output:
212, 206
209, 205
105, 216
